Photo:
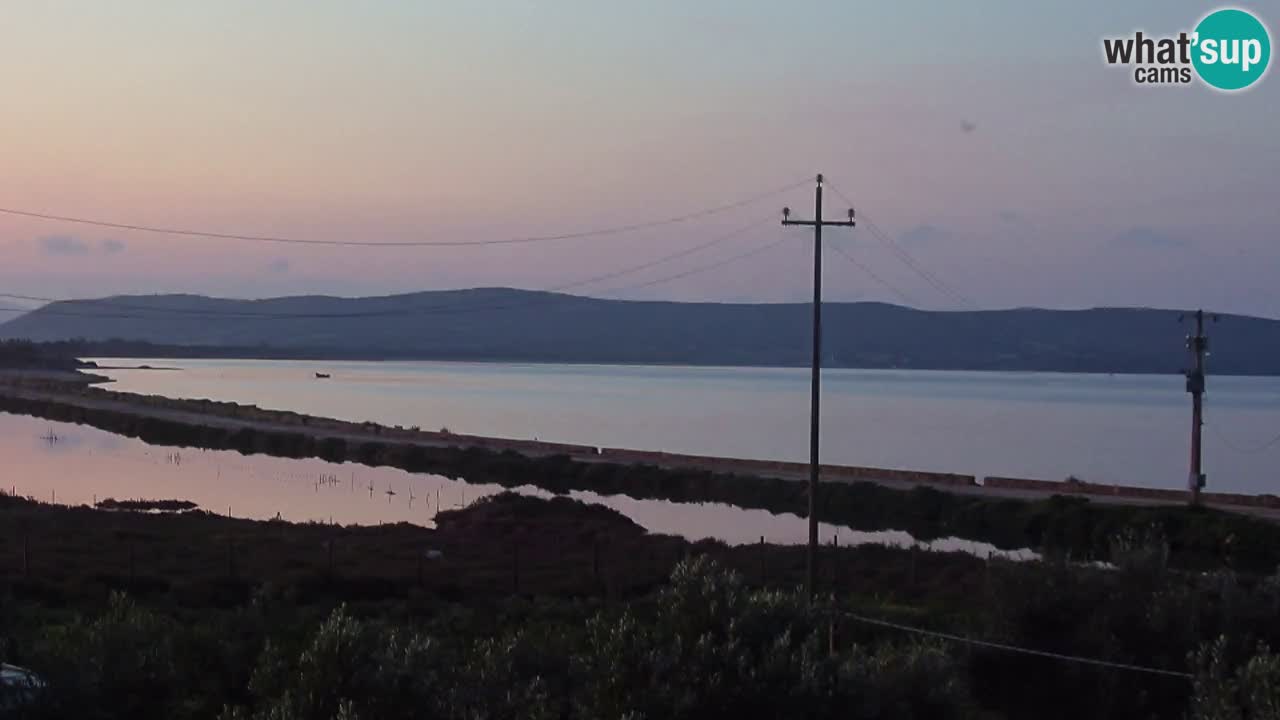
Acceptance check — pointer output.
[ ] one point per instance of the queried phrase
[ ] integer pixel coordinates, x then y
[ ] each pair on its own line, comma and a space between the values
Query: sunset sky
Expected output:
989, 139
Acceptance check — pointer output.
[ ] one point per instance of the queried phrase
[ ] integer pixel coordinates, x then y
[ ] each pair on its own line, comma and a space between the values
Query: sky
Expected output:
988, 140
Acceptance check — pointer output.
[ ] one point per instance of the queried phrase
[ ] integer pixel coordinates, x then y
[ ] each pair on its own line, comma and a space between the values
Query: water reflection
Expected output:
77, 465
1110, 429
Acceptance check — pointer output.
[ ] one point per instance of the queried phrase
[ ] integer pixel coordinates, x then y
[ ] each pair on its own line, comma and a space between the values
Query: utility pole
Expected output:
1198, 344
811, 556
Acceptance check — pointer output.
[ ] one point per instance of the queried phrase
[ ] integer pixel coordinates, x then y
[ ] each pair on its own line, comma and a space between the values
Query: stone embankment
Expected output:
233, 415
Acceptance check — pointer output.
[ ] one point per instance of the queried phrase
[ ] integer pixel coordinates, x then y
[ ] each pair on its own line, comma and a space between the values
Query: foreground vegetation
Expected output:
710, 631
521, 607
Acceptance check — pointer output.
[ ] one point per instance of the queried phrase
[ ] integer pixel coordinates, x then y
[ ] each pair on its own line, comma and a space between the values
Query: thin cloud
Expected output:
924, 236
63, 245
72, 246
278, 266
1145, 238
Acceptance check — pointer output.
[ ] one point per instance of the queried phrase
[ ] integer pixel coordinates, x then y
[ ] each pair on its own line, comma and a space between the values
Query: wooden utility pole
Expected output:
811, 557
1198, 344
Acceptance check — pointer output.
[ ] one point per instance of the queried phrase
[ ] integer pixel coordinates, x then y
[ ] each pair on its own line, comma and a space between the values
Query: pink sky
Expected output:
390, 121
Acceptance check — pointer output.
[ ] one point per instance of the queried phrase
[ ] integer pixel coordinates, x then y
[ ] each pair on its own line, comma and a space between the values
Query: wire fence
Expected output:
392, 560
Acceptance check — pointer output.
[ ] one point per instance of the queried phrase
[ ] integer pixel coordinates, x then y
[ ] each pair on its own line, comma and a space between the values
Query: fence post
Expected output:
764, 576
329, 567
986, 576
515, 569
595, 560
914, 551
831, 633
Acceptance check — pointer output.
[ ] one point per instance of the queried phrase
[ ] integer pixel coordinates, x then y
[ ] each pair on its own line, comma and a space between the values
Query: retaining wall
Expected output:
766, 467
659, 459
1076, 487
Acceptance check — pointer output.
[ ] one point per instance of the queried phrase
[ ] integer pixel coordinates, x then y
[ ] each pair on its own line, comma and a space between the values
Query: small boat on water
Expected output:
322, 376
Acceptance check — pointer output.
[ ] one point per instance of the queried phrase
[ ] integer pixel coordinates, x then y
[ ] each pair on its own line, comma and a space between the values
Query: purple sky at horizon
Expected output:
995, 146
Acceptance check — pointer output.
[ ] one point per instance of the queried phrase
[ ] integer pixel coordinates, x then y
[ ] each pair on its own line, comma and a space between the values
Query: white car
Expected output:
17, 686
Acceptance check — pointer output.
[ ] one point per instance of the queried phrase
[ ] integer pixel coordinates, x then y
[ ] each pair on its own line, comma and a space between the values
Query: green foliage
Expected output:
120, 664
1249, 691
26, 355
1140, 550
352, 668
710, 647
705, 646
1139, 613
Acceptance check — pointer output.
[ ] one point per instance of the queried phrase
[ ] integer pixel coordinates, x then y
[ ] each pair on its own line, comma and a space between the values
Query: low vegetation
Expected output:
145, 505
26, 355
527, 607
704, 645
710, 631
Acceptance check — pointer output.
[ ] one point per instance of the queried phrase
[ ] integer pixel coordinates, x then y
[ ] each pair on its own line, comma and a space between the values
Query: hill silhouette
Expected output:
516, 325
9, 310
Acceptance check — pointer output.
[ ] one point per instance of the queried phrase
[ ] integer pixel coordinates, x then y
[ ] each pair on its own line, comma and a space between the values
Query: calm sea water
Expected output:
1126, 429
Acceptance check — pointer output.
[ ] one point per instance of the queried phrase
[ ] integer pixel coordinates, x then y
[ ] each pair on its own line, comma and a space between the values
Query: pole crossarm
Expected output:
815, 416
824, 223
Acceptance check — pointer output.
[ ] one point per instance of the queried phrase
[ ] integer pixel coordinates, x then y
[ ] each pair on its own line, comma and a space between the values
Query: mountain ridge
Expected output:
535, 326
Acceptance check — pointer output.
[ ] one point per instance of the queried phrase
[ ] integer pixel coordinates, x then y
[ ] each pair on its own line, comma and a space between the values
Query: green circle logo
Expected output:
1232, 49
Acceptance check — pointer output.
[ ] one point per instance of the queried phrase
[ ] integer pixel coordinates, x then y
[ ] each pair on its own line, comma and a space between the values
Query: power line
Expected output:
771, 271
145, 312
873, 275
458, 308
704, 268
1246, 450
150, 312
614, 230
928, 276
1020, 650
674, 256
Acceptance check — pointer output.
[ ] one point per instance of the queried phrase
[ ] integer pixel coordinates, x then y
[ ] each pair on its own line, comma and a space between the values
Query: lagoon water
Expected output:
1129, 429
78, 465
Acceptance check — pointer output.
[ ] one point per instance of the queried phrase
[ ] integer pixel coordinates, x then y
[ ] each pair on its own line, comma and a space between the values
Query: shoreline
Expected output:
676, 365
127, 367
85, 388
927, 506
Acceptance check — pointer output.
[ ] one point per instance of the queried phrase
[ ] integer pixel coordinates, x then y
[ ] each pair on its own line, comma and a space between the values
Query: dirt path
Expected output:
321, 428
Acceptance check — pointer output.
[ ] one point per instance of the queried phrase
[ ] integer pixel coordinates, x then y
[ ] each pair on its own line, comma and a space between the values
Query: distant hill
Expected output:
9, 310
517, 325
